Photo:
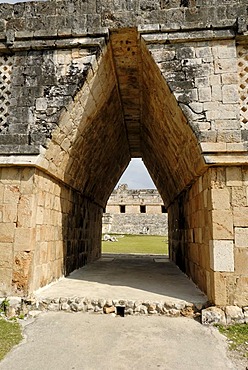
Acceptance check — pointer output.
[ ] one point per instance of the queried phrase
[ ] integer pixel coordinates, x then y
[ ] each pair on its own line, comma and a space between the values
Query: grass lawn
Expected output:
137, 244
10, 335
237, 337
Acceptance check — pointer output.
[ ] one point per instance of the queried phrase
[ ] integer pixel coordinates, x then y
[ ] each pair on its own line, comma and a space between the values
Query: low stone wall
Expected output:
23, 307
17, 307
157, 224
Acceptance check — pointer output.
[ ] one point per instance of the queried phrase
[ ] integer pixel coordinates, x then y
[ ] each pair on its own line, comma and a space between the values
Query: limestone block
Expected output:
9, 212
25, 209
193, 253
10, 175
234, 315
213, 147
229, 136
215, 79
5, 281
41, 104
7, 231
25, 239
218, 288
230, 94
241, 237
240, 216
222, 224
239, 290
40, 215
202, 82
213, 315
203, 52
224, 50
235, 147
229, 79
241, 260
221, 198
216, 93
217, 110
6, 256
239, 196
11, 194
224, 66
205, 94
27, 180
196, 107
221, 255
245, 176
43, 252
233, 176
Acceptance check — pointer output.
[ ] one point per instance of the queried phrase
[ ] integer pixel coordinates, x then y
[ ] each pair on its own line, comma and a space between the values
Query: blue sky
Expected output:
137, 176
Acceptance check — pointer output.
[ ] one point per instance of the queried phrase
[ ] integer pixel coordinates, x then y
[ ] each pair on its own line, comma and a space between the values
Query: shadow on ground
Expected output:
131, 277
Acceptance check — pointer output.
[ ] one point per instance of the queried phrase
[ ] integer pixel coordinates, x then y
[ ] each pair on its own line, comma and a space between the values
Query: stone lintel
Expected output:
152, 33
226, 159
55, 43
185, 36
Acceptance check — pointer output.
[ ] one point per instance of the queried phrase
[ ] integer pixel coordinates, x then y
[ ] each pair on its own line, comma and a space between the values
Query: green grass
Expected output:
137, 244
237, 337
10, 335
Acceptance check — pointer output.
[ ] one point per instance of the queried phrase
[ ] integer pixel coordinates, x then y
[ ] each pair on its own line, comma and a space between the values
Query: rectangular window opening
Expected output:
142, 209
163, 209
122, 208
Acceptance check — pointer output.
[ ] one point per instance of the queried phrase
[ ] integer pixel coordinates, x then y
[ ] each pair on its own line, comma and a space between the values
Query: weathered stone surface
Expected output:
246, 314
82, 91
222, 255
110, 309
234, 315
213, 315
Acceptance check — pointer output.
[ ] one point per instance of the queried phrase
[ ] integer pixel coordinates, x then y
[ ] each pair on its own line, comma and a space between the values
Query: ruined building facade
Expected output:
130, 211
87, 85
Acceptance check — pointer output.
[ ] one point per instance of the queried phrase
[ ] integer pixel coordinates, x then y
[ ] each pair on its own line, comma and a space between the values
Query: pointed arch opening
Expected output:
125, 110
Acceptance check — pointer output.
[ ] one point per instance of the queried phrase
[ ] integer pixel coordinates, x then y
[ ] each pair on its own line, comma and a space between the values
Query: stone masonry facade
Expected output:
86, 86
139, 211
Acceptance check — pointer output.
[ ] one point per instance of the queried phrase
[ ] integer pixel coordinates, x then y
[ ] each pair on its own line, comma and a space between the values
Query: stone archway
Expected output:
124, 109
81, 107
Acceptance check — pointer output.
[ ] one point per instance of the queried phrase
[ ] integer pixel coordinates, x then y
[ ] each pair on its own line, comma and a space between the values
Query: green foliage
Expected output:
237, 337
4, 305
10, 335
148, 244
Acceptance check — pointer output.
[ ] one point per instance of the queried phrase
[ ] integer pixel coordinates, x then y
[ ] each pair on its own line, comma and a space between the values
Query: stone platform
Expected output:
138, 283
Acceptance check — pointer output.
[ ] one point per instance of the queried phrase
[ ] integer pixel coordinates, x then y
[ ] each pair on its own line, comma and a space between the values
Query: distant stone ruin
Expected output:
139, 211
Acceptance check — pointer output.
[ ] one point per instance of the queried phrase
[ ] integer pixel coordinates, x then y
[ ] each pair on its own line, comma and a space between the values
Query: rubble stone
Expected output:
213, 315
234, 315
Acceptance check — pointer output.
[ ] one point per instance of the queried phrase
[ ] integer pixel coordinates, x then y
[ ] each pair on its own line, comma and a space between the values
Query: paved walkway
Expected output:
81, 341
134, 277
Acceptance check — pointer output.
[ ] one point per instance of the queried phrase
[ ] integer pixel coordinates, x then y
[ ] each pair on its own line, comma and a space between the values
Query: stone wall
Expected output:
47, 230
74, 18
88, 85
190, 232
131, 219
208, 234
152, 224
